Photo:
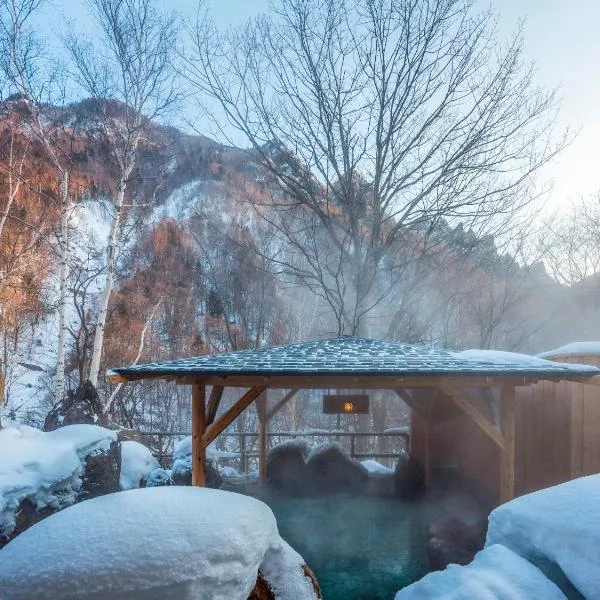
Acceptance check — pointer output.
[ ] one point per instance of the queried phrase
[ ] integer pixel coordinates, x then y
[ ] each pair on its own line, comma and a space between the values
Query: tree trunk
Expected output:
111, 250
63, 244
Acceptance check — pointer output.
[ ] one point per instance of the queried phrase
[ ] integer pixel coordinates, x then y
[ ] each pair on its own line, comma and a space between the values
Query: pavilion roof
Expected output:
355, 356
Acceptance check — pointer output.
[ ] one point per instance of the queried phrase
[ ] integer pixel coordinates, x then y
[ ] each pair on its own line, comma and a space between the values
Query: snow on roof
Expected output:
44, 467
574, 349
137, 463
351, 356
495, 572
560, 524
150, 544
501, 357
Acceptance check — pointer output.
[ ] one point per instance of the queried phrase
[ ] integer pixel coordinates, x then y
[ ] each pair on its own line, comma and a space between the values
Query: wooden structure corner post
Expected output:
198, 429
507, 453
261, 409
427, 440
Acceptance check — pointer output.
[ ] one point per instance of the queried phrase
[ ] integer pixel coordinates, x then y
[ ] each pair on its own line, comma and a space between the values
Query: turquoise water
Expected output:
360, 548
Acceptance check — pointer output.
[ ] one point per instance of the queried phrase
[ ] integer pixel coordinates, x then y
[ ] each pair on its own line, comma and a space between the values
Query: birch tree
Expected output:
25, 64
130, 63
370, 121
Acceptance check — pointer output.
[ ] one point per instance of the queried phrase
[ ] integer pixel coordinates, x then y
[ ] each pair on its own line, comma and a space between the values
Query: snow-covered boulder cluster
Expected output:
542, 545
41, 472
155, 543
137, 463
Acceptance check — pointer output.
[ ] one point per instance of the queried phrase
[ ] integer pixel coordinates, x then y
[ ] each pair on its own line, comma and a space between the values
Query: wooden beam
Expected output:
214, 429
213, 403
422, 409
427, 440
198, 429
465, 405
507, 455
354, 381
281, 404
261, 409
592, 380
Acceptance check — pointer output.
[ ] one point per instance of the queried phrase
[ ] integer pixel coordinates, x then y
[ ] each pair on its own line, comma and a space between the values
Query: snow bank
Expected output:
137, 463
374, 467
150, 544
560, 524
496, 573
574, 349
45, 467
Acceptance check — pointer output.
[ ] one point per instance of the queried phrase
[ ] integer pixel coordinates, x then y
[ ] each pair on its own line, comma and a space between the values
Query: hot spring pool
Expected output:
360, 548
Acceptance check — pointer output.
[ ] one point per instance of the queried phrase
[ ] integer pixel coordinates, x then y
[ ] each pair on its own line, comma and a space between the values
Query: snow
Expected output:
401, 429
45, 467
496, 573
150, 544
560, 524
500, 357
574, 349
159, 477
374, 467
137, 463
229, 471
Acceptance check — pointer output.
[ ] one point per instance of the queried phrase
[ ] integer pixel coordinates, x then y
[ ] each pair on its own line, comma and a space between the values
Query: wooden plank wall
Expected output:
584, 421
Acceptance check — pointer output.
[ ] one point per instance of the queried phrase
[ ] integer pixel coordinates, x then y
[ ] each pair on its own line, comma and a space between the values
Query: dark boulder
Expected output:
83, 406
409, 478
286, 466
181, 474
329, 469
101, 473
454, 540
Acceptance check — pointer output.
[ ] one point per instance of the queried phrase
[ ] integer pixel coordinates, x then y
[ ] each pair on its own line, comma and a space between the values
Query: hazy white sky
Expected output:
561, 36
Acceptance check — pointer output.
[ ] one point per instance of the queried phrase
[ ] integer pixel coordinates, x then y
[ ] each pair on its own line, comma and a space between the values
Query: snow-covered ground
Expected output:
137, 463
45, 467
151, 544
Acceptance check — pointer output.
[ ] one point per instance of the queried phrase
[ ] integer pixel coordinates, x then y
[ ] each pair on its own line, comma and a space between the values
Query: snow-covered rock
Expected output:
561, 525
159, 477
496, 573
137, 463
181, 471
45, 468
154, 543
375, 467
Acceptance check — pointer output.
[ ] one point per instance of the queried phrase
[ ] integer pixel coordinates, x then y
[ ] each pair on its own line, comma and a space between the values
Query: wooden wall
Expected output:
557, 437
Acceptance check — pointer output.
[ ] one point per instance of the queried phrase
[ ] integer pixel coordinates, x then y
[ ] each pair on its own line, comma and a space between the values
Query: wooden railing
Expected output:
163, 449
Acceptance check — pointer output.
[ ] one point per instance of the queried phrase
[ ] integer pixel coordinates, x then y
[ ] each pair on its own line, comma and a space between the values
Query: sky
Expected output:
560, 37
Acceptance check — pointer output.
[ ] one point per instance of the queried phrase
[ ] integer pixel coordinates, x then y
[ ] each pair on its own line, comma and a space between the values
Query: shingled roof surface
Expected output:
355, 356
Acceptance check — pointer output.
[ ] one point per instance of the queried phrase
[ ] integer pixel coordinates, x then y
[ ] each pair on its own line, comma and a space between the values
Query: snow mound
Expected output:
574, 349
137, 463
374, 467
45, 467
560, 524
496, 573
153, 543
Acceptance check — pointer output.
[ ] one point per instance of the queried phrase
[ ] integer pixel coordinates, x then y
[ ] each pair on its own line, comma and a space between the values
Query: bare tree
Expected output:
132, 65
35, 78
371, 120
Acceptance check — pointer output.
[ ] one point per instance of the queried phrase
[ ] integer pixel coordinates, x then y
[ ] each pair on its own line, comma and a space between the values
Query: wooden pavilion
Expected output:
429, 380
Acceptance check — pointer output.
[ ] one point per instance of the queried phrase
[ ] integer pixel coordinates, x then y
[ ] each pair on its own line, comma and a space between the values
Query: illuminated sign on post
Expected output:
340, 404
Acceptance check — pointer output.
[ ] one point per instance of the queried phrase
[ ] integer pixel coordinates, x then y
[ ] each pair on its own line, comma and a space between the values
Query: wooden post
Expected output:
261, 409
198, 428
507, 453
427, 444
